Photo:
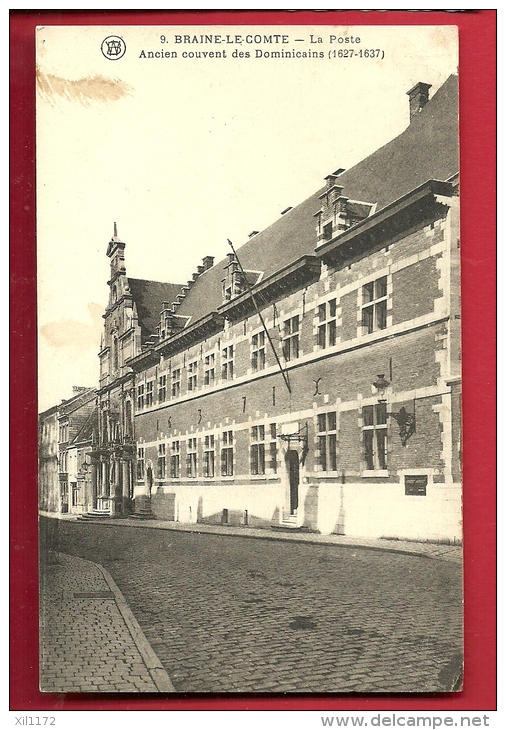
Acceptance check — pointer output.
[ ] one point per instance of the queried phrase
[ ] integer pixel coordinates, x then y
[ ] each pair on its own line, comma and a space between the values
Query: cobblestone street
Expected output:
226, 614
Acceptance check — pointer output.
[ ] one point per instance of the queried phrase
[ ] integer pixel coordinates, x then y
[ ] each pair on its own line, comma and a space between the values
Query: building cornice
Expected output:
299, 273
371, 233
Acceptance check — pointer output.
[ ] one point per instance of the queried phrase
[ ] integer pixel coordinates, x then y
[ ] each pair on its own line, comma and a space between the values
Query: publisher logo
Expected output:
113, 47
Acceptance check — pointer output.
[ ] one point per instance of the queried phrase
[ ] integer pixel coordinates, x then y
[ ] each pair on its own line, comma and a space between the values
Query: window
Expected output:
161, 461
257, 449
174, 460
227, 454
258, 351
191, 458
176, 383
149, 393
209, 369
374, 429
192, 375
327, 324
162, 388
327, 441
140, 397
227, 363
63, 435
75, 494
273, 449
291, 339
63, 461
374, 306
263, 449
140, 463
115, 353
208, 465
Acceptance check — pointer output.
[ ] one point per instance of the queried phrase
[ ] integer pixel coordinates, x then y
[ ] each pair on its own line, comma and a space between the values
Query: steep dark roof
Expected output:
427, 149
149, 297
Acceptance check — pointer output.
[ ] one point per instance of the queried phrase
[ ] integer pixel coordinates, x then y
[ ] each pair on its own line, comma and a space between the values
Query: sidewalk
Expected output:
89, 638
441, 551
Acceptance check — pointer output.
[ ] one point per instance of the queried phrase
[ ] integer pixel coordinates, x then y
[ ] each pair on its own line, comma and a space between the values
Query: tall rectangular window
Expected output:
176, 383
273, 448
192, 375
227, 363
257, 450
191, 458
227, 454
140, 397
291, 338
327, 324
374, 433
162, 388
208, 464
327, 441
209, 369
258, 351
374, 306
174, 460
140, 462
149, 393
161, 461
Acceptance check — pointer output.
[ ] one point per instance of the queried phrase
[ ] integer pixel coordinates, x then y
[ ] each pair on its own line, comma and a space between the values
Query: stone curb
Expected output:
158, 674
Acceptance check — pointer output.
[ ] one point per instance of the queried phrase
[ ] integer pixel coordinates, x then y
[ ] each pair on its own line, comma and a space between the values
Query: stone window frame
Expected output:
209, 457
161, 468
227, 362
291, 338
258, 351
150, 388
191, 457
175, 459
192, 376
140, 396
209, 369
175, 383
141, 463
326, 440
374, 425
227, 454
374, 305
326, 328
162, 388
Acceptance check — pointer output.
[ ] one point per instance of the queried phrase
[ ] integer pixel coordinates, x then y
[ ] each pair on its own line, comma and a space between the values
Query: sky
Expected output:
185, 152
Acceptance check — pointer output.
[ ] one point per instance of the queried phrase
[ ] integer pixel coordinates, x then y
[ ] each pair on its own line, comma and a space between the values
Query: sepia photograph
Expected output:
249, 359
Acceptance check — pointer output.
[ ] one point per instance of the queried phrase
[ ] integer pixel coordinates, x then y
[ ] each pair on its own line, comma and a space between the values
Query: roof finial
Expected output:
115, 230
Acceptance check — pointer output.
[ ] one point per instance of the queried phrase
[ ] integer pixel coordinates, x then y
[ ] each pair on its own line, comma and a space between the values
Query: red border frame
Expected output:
478, 170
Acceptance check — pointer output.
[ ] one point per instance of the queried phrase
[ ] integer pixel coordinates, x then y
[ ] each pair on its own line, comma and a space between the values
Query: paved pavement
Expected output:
230, 615
89, 638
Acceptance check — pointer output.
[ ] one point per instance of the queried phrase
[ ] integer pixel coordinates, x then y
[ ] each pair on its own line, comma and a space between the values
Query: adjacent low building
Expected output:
67, 433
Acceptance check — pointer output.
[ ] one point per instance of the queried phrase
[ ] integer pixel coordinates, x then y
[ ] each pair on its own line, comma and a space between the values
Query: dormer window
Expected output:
327, 231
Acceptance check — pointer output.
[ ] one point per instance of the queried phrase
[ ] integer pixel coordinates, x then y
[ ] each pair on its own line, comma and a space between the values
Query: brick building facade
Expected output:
311, 379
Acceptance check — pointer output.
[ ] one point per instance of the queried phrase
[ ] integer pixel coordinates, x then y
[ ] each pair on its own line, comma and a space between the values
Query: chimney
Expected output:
208, 262
200, 270
418, 97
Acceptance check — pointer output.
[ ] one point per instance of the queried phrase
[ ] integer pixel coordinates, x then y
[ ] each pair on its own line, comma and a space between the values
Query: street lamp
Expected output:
406, 421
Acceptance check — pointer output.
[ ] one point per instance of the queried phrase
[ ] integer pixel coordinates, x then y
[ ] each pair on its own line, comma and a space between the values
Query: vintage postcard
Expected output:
249, 359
